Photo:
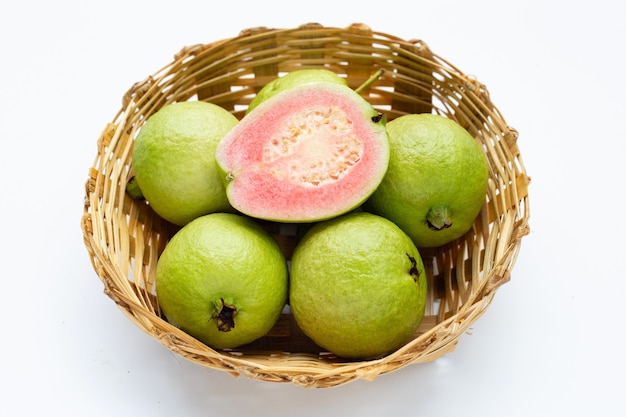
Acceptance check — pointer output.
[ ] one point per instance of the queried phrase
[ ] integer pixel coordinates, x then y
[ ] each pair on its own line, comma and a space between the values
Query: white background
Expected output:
550, 343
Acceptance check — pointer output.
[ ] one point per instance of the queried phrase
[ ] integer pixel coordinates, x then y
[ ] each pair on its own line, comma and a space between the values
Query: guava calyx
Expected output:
414, 271
225, 317
378, 118
438, 218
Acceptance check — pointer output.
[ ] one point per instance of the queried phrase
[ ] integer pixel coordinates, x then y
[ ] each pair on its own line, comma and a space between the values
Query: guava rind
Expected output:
357, 286
217, 259
174, 160
435, 166
253, 191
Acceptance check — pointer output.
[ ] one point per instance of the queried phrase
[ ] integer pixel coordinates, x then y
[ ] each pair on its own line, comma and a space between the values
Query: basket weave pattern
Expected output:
124, 237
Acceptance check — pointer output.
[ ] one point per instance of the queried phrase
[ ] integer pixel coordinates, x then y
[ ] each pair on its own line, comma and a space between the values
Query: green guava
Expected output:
174, 160
223, 280
436, 182
294, 79
357, 286
309, 153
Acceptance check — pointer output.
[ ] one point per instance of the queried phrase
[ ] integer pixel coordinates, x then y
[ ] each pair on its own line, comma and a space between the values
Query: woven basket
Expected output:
124, 237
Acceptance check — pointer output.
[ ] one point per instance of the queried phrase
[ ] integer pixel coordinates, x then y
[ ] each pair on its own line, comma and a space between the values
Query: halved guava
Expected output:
308, 153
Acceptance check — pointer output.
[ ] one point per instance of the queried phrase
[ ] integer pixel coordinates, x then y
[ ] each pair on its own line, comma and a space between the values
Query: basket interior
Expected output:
125, 237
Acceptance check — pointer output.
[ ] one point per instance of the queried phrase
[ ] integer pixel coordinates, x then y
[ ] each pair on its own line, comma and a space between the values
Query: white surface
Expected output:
549, 345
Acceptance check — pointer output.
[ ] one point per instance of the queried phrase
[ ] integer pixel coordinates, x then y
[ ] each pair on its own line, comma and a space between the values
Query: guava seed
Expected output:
321, 142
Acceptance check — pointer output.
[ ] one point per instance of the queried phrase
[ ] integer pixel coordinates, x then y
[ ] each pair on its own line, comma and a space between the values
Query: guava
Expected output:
357, 286
436, 183
294, 79
174, 160
222, 279
309, 153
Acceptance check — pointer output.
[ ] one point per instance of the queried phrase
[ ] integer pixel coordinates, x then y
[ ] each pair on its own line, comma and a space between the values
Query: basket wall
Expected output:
124, 237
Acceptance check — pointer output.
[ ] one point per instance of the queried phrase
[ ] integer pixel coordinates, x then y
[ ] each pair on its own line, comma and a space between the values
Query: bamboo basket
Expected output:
124, 237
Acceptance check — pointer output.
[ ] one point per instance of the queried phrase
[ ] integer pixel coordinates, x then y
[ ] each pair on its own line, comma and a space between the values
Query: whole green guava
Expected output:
358, 286
174, 160
436, 182
222, 279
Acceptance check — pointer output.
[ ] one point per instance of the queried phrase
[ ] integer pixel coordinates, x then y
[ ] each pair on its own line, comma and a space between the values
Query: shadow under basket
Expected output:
124, 237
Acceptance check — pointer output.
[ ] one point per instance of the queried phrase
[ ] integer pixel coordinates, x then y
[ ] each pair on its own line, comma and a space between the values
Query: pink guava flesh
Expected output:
307, 154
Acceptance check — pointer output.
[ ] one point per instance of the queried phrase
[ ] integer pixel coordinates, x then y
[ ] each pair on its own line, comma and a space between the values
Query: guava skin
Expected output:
222, 279
358, 286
